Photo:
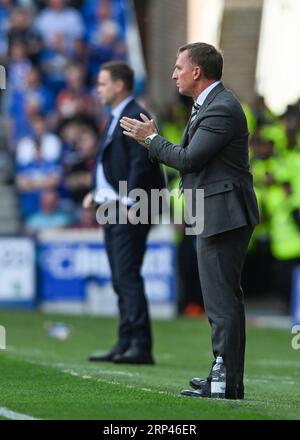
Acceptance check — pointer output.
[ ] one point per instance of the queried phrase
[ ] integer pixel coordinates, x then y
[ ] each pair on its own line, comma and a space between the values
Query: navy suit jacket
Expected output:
124, 159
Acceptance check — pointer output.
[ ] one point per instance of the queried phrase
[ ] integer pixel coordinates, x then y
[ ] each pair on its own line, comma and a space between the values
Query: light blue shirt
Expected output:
104, 192
52, 220
116, 113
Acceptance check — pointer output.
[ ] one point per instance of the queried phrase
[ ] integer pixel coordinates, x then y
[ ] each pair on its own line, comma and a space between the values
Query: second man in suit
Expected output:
122, 159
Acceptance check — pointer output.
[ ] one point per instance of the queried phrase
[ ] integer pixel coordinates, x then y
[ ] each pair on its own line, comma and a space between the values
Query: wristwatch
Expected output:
149, 138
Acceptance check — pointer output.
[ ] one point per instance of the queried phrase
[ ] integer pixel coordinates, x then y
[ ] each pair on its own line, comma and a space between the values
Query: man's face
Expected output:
57, 4
107, 88
184, 74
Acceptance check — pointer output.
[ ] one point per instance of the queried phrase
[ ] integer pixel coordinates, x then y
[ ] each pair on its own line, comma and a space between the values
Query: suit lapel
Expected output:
124, 113
109, 140
185, 135
103, 140
210, 97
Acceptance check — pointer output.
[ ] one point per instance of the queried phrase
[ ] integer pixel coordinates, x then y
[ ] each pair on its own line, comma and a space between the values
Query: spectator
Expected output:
69, 132
34, 177
50, 215
106, 46
38, 98
6, 7
50, 144
79, 174
18, 66
75, 99
21, 30
54, 62
87, 219
263, 114
96, 12
22, 105
284, 226
58, 18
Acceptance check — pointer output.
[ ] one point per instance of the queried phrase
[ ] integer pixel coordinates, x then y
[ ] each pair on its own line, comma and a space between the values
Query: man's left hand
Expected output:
138, 130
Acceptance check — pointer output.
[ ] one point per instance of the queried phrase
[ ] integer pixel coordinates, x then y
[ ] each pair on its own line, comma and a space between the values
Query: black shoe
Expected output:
134, 356
107, 357
195, 393
204, 384
200, 384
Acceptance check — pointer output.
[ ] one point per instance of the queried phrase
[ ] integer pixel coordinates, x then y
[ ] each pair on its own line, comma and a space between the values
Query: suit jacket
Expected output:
124, 159
213, 155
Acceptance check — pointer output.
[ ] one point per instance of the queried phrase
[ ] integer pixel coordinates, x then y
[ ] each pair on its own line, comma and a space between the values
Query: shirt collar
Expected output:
117, 111
203, 95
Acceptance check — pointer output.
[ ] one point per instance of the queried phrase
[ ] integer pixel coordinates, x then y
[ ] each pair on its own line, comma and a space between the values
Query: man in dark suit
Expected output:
122, 159
213, 155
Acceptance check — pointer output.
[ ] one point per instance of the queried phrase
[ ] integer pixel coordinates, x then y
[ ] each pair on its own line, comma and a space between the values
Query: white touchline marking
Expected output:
111, 382
270, 380
65, 368
61, 365
70, 370
277, 363
12, 415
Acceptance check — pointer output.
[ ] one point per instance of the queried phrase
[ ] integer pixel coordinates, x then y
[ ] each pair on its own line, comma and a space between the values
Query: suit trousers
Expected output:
126, 245
220, 262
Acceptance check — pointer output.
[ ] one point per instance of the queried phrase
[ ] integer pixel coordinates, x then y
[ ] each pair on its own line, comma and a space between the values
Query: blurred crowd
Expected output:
274, 250
275, 161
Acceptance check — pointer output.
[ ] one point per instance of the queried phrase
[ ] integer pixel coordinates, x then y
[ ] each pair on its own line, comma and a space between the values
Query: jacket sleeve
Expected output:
215, 131
139, 164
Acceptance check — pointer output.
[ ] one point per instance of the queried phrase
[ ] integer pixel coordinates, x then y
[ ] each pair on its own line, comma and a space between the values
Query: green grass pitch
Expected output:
46, 378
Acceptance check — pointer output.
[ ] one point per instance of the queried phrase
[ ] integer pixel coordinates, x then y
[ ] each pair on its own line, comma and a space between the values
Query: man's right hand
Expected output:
88, 201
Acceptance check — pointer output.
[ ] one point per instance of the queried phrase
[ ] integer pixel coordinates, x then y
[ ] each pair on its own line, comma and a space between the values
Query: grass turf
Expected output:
51, 379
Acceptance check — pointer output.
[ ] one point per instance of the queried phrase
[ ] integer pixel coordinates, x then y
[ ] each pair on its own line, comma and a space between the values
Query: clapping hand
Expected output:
138, 130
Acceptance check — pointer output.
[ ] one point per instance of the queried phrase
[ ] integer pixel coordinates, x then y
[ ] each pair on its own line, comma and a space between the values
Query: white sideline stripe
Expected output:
65, 368
271, 381
60, 365
278, 363
12, 415
110, 382
70, 370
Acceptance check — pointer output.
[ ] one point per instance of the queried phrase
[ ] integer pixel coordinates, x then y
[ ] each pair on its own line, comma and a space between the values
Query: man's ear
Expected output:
197, 72
119, 85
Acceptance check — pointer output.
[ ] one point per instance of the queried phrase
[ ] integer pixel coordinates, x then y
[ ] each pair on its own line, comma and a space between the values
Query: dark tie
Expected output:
196, 107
